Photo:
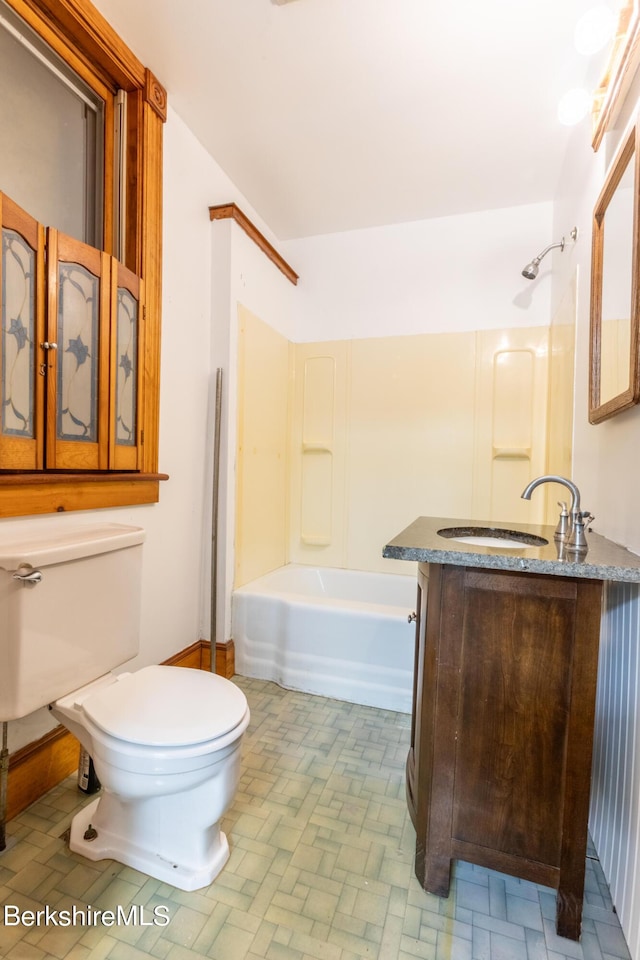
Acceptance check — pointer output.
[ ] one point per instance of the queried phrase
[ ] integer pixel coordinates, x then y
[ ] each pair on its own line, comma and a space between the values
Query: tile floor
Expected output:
320, 868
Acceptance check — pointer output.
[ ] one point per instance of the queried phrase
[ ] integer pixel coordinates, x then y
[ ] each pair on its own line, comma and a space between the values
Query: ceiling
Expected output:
333, 115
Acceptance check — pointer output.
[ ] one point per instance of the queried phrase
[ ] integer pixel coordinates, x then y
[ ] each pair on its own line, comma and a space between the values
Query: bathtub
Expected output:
338, 633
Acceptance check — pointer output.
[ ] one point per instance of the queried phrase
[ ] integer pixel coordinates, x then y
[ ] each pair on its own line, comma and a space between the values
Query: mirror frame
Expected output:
627, 153
619, 72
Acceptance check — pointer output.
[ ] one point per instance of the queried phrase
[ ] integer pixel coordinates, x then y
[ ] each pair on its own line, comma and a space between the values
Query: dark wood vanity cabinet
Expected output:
499, 768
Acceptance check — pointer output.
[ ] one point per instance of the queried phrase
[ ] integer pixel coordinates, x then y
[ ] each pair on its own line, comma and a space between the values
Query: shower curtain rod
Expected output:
215, 487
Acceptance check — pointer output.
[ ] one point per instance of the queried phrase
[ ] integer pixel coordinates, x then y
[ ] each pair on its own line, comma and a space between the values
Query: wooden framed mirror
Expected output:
615, 289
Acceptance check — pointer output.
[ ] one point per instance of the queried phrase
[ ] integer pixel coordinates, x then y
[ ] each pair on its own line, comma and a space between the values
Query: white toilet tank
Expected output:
69, 610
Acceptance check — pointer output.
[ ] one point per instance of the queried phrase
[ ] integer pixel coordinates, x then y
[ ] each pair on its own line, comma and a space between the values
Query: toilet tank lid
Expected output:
45, 545
167, 706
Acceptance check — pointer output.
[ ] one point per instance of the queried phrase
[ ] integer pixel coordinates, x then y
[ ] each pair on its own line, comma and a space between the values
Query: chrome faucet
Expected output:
565, 531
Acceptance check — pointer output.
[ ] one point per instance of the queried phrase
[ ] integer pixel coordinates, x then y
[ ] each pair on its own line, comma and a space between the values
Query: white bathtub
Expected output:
338, 633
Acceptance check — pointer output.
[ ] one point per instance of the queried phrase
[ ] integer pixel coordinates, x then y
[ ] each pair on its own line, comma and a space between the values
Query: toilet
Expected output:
165, 741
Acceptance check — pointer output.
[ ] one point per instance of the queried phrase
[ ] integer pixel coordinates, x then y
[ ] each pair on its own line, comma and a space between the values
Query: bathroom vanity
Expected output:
499, 766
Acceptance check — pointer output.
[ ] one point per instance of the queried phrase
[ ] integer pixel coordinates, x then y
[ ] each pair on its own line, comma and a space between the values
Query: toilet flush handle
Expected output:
26, 574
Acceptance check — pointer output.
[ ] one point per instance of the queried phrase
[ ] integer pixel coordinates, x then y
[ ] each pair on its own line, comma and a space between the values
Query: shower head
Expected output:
531, 269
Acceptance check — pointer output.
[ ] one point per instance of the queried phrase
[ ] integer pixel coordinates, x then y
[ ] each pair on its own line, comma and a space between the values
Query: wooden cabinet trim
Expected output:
230, 211
56, 493
92, 38
79, 33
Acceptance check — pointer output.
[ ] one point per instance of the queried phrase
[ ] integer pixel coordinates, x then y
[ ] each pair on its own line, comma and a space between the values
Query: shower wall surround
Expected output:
364, 435
262, 444
453, 423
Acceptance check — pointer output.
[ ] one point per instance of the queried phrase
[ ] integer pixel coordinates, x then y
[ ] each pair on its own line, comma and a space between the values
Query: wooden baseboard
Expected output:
37, 767
198, 655
225, 658
189, 657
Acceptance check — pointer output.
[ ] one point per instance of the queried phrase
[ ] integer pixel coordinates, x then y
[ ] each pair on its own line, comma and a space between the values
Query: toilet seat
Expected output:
166, 707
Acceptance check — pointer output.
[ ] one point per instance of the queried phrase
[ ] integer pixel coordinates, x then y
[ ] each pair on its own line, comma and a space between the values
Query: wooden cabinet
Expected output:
499, 768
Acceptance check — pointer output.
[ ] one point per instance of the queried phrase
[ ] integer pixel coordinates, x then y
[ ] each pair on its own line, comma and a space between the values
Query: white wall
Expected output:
174, 592
450, 274
605, 467
606, 455
242, 274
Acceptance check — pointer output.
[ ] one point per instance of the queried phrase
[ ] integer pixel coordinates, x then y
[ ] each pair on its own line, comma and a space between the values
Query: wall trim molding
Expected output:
230, 211
41, 765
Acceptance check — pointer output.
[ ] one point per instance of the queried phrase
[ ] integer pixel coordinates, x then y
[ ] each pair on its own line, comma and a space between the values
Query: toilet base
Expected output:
107, 845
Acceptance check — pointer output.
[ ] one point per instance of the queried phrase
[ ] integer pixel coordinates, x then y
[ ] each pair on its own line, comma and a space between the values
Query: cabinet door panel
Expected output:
514, 698
78, 365
22, 298
127, 351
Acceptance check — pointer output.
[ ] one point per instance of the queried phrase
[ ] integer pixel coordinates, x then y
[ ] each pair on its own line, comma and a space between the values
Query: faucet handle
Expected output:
564, 523
578, 541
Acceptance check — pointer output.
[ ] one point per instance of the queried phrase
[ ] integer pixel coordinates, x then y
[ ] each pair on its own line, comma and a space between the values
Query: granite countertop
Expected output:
605, 560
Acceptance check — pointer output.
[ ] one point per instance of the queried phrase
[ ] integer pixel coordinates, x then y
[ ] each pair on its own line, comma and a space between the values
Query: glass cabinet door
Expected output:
78, 355
127, 312
21, 387
71, 348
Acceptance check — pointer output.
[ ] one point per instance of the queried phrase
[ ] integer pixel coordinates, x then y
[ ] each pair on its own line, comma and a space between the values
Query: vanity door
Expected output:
505, 729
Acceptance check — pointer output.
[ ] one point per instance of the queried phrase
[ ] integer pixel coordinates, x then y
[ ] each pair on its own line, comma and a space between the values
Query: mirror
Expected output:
614, 374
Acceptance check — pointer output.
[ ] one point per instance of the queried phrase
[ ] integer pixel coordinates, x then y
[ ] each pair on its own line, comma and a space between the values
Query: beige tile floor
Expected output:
320, 866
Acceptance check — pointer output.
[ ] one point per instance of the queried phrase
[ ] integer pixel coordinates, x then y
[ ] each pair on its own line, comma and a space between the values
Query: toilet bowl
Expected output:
165, 742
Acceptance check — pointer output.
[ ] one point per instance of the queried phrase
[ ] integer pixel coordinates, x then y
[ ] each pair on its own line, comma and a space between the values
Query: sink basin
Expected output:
492, 537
